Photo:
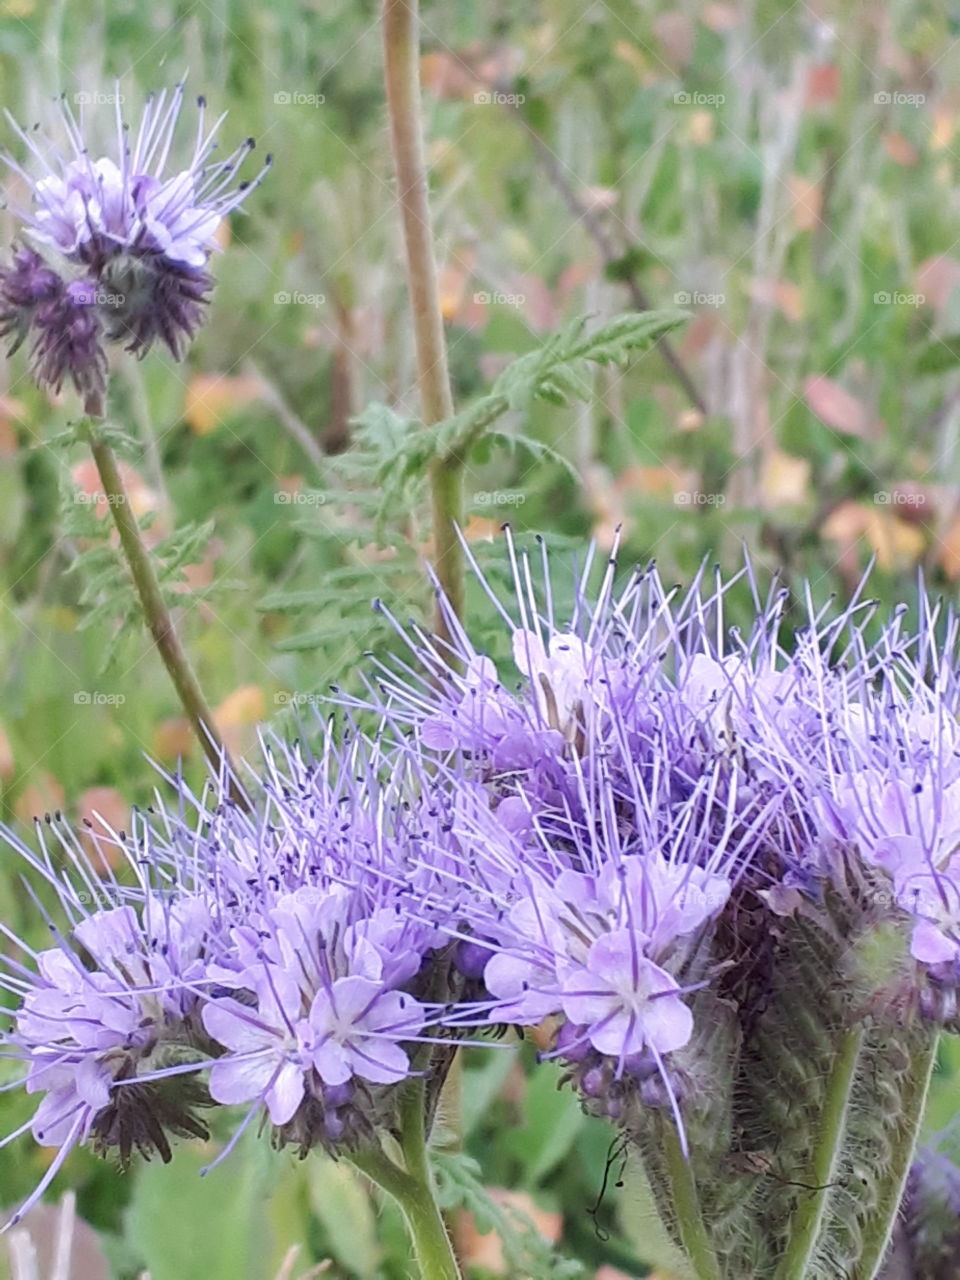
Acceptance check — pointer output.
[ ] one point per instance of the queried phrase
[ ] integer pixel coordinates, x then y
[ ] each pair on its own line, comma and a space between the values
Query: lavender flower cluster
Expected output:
118, 246
611, 851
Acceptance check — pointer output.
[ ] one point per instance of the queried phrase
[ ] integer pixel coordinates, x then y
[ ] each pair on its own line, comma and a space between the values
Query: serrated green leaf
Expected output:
126, 445
379, 423
527, 1253
291, 601
618, 338
321, 637
554, 372
550, 390
538, 448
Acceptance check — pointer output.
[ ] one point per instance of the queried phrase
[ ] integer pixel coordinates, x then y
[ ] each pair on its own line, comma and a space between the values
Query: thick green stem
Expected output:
879, 1227
412, 1188
154, 607
413, 1133
401, 47
686, 1206
401, 57
811, 1207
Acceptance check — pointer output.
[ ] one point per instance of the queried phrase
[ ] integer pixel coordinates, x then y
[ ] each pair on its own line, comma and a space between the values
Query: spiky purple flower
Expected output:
699, 862
25, 286
322, 1008
660, 795
125, 241
272, 952
103, 1016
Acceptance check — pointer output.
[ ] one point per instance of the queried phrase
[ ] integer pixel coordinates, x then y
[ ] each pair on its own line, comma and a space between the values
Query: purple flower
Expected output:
68, 333
99, 1016
624, 1001
266, 1059
321, 1007
77, 1030
586, 944
355, 1026
659, 796
932, 897
125, 241
66, 327
271, 951
930, 1215
636, 848
91, 210
27, 284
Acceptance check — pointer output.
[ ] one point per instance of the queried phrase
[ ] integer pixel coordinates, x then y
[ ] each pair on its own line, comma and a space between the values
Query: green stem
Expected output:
446, 495
154, 607
412, 1188
880, 1224
812, 1205
401, 49
413, 1133
401, 58
686, 1206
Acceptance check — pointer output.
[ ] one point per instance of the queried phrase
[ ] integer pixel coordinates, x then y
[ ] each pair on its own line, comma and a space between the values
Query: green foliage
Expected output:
219, 1225
379, 486
77, 433
460, 1184
345, 1214
550, 1130
555, 372
940, 356
107, 597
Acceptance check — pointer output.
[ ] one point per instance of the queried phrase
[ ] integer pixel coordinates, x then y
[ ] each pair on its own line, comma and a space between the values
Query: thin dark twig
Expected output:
610, 255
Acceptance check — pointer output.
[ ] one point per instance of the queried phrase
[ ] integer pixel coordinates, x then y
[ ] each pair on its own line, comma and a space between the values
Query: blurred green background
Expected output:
788, 175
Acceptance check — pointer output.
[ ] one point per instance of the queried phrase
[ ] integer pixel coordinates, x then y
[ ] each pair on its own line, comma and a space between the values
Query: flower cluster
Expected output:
118, 245
273, 953
661, 796
104, 1014
688, 858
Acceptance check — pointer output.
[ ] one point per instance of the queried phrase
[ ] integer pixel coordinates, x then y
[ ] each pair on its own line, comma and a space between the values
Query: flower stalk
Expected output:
686, 1205
879, 1229
412, 1188
806, 1223
155, 611
401, 49
401, 55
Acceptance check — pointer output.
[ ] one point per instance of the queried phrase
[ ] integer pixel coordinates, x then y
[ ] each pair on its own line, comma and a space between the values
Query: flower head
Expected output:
264, 959
661, 805
320, 1014
120, 243
105, 1018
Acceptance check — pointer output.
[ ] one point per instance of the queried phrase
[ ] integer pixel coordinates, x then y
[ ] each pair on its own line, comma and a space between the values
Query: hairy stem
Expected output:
401, 56
413, 1133
412, 1188
686, 1206
880, 1225
808, 1217
154, 607
401, 49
